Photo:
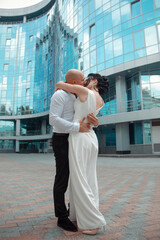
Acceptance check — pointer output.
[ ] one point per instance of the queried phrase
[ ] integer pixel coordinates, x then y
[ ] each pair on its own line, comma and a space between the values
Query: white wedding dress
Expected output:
83, 151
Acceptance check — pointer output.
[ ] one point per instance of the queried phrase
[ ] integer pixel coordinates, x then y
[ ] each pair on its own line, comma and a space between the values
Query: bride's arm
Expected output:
81, 91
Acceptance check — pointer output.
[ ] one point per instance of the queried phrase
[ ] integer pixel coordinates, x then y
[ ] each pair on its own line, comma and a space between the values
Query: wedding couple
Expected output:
73, 113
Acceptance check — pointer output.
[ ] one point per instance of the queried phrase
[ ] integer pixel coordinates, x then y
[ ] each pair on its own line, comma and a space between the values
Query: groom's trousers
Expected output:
60, 149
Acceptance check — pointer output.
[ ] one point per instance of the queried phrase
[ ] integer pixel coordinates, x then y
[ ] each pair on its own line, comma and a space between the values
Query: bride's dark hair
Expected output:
103, 82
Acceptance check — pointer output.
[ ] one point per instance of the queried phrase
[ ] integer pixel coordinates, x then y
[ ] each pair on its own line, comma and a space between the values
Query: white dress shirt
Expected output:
62, 112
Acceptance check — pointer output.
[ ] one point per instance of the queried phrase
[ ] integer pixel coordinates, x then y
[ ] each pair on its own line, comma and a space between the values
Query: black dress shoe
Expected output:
66, 224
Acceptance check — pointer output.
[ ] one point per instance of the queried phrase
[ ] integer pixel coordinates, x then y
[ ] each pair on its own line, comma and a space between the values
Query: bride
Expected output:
83, 152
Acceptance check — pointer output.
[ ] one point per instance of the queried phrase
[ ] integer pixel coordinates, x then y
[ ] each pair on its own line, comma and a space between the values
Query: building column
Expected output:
122, 138
43, 130
121, 94
17, 146
17, 134
122, 129
43, 126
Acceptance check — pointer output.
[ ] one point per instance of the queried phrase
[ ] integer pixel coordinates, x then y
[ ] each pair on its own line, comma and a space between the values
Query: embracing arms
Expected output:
80, 91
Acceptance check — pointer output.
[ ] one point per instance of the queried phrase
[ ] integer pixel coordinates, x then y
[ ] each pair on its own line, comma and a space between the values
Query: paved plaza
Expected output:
129, 191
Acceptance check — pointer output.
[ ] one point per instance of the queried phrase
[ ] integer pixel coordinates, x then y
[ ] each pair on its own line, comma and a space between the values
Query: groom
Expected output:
61, 117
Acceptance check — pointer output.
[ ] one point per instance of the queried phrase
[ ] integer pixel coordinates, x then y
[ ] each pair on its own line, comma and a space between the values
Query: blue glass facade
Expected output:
93, 36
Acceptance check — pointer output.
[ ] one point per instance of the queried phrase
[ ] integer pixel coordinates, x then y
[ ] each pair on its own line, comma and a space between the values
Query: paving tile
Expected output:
129, 198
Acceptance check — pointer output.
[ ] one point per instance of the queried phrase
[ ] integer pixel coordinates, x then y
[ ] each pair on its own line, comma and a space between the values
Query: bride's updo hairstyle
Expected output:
103, 82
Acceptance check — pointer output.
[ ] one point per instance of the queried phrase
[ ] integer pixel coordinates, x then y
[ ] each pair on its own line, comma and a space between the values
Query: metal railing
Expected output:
130, 106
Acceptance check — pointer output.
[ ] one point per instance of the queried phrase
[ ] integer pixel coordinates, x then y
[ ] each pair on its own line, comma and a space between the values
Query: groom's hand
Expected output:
84, 127
92, 119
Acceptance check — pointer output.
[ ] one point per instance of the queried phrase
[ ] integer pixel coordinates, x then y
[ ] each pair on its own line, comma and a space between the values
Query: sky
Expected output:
17, 3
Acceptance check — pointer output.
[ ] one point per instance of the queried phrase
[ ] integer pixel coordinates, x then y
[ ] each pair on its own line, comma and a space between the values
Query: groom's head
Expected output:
74, 76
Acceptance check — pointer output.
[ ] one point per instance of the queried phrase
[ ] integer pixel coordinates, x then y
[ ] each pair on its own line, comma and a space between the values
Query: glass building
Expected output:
117, 38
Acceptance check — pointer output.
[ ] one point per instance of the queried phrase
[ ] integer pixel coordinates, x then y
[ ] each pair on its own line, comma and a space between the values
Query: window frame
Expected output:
133, 2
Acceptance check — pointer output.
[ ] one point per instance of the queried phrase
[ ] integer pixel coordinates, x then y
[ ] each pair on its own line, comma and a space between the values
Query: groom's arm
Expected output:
55, 119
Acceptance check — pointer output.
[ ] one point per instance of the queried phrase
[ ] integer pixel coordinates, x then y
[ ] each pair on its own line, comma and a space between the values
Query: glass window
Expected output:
86, 62
100, 55
8, 42
6, 53
152, 50
108, 51
138, 40
44, 102
9, 30
128, 57
116, 19
150, 36
140, 53
110, 133
5, 67
86, 35
92, 31
157, 3
136, 8
147, 5
159, 32
117, 45
93, 58
144, 79
138, 133
147, 132
98, 3
4, 81
155, 90
4, 94
99, 27
107, 22
85, 13
29, 65
125, 13
127, 43
91, 6
31, 38
27, 92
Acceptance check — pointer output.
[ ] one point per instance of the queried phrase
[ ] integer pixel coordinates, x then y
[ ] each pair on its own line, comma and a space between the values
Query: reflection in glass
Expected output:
138, 40
118, 49
108, 51
152, 50
6, 144
100, 55
116, 17
136, 133
157, 3
93, 58
140, 53
147, 5
127, 43
155, 90
159, 31
7, 128
136, 8
147, 132
99, 27
91, 6
5, 67
86, 62
107, 22
150, 36
92, 31
125, 13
